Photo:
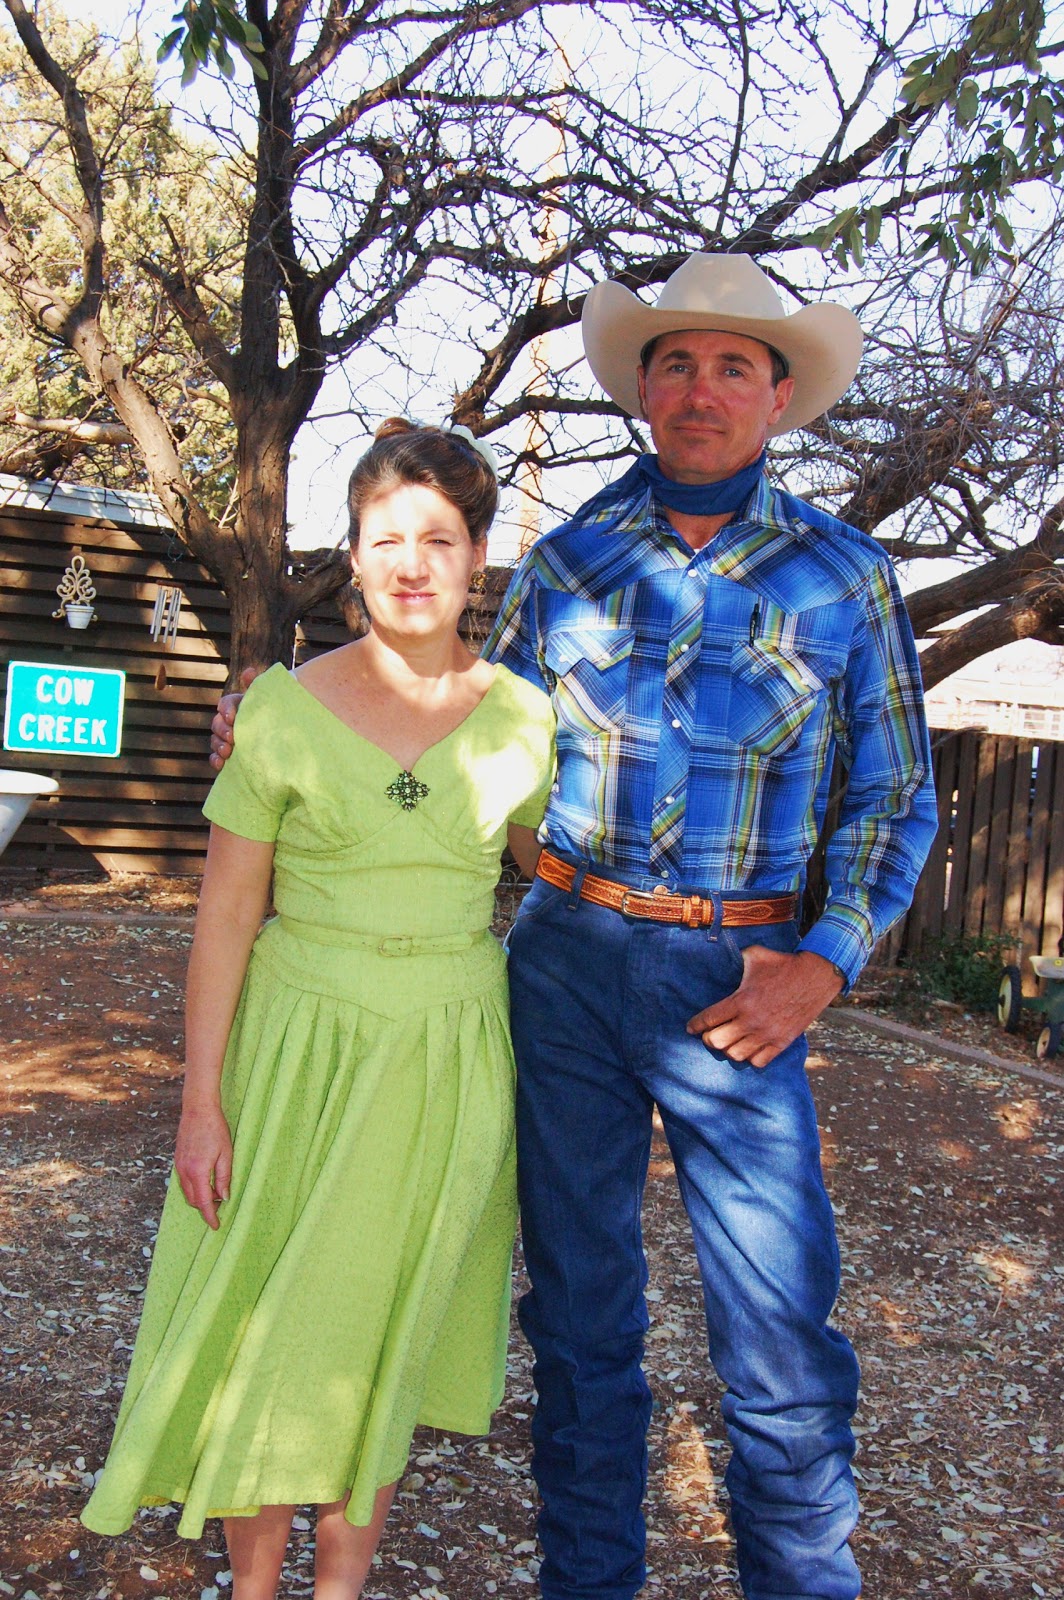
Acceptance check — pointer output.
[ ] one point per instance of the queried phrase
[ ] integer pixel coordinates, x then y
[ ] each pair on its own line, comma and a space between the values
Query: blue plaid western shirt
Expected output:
700, 696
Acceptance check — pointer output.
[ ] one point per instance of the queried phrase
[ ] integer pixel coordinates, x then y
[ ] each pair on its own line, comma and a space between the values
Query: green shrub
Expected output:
962, 967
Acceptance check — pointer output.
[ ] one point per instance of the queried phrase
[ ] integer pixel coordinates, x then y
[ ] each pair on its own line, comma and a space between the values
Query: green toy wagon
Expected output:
1011, 1000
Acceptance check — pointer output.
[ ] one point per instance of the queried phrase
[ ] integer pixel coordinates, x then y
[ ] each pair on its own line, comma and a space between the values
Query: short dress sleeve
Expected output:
249, 796
539, 730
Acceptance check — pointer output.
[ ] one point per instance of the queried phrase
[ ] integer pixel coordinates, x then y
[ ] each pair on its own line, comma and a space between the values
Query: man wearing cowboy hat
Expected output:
710, 643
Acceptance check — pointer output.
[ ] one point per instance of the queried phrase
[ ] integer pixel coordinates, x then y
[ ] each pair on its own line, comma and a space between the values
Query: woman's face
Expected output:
416, 559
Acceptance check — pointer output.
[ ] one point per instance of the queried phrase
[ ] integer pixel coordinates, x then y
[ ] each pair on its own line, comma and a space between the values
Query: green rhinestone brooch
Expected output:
406, 791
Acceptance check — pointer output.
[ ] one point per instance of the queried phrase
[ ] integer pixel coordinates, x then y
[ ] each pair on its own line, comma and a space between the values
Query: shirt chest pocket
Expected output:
773, 692
590, 666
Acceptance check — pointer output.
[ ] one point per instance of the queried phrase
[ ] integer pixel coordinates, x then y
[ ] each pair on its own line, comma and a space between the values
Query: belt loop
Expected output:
576, 887
713, 932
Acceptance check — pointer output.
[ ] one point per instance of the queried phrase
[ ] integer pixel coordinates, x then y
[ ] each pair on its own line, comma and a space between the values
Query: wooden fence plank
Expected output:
975, 889
967, 770
1032, 917
998, 833
1017, 842
1053, 920
928, 908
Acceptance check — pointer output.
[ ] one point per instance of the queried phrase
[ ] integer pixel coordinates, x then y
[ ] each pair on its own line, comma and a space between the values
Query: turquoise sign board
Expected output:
64, 710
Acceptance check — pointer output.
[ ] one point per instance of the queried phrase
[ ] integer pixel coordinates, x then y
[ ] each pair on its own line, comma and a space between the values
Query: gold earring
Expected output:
356, 580
478, 582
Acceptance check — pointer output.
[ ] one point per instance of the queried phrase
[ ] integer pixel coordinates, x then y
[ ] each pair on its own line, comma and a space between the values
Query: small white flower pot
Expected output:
79, 616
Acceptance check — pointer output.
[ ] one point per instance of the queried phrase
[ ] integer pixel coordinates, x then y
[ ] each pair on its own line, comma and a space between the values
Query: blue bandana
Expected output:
697, 499
701, 499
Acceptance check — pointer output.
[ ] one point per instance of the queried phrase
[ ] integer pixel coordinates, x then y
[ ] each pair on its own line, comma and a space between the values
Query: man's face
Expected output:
710, 401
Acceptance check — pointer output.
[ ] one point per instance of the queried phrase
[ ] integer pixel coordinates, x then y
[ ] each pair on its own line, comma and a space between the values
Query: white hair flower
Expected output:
482, 449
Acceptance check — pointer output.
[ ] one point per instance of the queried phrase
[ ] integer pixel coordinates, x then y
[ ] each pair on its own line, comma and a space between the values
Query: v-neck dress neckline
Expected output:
386, 755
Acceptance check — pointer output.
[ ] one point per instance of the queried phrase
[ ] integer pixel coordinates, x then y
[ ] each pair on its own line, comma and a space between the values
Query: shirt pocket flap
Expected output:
601, 647
772, 692
757, 660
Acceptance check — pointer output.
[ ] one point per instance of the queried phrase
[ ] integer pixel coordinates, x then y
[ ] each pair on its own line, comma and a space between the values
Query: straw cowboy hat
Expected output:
725, 294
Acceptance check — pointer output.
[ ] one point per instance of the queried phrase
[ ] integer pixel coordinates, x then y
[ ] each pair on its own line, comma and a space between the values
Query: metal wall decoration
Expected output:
165, 616
76, 594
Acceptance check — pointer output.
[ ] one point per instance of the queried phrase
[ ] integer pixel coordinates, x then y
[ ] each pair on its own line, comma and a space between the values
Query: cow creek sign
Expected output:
64, 710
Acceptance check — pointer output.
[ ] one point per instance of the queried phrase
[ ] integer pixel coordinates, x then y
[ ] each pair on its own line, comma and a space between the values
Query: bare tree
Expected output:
399, 173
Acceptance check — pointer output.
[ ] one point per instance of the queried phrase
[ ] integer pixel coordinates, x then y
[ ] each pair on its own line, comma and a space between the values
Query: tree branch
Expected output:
184, 297
1036, 614
1019, 570
86, 165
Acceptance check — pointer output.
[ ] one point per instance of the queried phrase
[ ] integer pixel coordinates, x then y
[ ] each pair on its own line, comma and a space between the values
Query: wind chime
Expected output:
164, 625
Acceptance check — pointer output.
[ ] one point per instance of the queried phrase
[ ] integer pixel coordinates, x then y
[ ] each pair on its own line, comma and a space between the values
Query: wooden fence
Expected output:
997, 865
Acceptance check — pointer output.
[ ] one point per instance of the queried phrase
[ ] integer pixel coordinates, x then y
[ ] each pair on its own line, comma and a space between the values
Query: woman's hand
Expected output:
204, 1159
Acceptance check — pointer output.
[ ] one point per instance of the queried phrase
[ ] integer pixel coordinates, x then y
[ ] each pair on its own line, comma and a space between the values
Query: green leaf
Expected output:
206, 32
168, 45
967, 102
234, 27
1043, 110
873, 225
913, 87
821, 237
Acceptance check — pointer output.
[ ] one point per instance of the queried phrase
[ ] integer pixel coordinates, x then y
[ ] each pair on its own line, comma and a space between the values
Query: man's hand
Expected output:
225, 716
778, 998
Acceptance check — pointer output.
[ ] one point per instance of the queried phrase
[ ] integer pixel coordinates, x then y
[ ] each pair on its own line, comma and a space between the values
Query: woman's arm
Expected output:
524, 847
233, 899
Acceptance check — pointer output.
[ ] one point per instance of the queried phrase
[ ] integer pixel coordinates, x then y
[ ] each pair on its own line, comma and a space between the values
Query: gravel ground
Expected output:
946, 1179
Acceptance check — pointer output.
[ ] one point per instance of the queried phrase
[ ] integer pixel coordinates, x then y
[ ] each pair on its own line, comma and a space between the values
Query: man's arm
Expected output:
889, 815
514, 638
873, 859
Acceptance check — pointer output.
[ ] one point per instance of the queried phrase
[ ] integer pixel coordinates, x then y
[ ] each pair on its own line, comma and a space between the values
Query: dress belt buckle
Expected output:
400, 944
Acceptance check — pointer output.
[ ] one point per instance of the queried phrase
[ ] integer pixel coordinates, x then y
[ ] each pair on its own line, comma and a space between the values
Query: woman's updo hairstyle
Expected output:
402, 452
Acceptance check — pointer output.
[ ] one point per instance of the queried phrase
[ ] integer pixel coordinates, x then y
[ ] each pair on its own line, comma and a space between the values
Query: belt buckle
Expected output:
400, 944
645, 901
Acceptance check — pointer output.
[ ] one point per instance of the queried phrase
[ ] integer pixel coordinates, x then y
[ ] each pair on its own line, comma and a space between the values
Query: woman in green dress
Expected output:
333, 1261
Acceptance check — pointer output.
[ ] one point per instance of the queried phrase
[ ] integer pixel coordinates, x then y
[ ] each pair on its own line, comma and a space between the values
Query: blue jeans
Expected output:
598, 1006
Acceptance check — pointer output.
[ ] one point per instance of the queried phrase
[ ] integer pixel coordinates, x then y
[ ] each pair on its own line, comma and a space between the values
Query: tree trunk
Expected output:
263, 629
264, 602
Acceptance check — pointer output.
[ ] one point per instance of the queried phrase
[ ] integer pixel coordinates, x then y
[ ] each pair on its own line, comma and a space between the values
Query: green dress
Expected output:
359, 1281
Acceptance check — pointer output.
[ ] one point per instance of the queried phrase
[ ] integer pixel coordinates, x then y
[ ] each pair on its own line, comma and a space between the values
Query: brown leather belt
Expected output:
695, 910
